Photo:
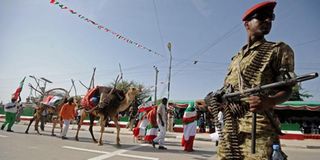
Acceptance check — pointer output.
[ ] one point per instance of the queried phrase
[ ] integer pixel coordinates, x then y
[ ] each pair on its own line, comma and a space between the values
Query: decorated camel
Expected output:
111, 102
51, 103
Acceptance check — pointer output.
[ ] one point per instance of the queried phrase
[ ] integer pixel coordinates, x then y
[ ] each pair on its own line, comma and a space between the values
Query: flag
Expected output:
146, 105
16, 94
189, 127
152, 128
151, 133
190, 115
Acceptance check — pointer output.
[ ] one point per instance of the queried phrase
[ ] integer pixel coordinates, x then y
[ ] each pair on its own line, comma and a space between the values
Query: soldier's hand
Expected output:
259, 103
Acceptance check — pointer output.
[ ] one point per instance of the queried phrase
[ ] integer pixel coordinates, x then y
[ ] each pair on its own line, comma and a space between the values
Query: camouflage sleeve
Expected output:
283, 59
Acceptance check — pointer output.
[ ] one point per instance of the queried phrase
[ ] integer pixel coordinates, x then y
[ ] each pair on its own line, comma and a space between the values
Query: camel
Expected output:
112, 101
51, 109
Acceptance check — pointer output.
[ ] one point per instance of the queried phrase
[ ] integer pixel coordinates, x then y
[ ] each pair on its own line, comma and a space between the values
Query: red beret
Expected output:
268, 5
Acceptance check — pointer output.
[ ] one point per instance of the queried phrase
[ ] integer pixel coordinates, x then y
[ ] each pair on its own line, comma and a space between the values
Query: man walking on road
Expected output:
10, 111
162, 121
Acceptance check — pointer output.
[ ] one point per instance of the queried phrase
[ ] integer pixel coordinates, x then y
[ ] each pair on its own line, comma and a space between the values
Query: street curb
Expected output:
313, 147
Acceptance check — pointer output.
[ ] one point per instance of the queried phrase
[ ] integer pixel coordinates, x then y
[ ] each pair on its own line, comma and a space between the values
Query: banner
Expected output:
103, 28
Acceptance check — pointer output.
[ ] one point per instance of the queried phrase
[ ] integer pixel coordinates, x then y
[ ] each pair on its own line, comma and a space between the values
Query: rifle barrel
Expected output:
273, 85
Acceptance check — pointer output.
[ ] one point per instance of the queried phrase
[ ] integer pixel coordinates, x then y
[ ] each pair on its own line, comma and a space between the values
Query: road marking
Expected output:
2, 136
136, 156
107, 155
83, 149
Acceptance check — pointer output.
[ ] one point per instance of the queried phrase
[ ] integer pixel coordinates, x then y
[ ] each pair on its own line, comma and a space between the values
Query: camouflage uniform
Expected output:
276, 56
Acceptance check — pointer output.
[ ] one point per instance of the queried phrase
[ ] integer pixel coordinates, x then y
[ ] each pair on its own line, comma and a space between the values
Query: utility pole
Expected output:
170, 119
155, 86
169, 48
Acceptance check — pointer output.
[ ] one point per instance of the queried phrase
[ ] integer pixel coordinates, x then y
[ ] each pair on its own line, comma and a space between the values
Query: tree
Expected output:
124, 85
297, 95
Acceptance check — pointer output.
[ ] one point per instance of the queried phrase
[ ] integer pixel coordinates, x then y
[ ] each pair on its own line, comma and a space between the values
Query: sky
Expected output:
44, 40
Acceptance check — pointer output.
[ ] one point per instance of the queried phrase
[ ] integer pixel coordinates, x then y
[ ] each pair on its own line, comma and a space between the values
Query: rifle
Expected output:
237, 96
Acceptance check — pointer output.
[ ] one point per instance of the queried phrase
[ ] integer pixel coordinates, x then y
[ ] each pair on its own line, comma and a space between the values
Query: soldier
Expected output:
259, 62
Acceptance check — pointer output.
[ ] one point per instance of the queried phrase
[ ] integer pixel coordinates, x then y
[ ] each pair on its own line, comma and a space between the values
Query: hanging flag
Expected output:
16, 94
117, 35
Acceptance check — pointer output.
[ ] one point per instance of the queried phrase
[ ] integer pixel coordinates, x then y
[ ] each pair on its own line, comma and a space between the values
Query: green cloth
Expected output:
10, 118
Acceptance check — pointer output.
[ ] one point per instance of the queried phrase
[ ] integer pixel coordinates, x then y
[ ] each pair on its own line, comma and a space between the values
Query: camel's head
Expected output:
133, 91
201, 105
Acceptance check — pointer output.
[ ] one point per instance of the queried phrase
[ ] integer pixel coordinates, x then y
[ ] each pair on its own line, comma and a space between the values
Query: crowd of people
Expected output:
150, 125
66, 114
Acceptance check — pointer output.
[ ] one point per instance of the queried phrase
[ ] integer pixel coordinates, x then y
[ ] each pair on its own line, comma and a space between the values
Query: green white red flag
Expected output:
16, 94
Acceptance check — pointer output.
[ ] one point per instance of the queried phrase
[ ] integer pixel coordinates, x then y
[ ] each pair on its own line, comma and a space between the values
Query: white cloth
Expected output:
162, 111
152, 132
66, 124
220, 118
53, 100
189, 130
161, 134
11, 107
142, 127
215, 136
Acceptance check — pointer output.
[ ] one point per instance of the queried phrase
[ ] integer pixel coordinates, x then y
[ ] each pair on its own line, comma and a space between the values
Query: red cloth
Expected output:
152, 116
188, 120
145, 109
188, 145
266, 5
136, 131
149, 138
85, 102
47, 99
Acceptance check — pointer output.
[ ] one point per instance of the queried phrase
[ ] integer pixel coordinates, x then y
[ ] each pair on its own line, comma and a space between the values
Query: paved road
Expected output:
18, 145
21, 146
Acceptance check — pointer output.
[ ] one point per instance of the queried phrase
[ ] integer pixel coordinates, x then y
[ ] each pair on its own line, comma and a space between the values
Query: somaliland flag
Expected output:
16, 94
189, 127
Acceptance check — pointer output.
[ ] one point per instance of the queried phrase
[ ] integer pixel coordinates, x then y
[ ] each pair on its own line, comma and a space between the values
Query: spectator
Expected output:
67, 114
162, 122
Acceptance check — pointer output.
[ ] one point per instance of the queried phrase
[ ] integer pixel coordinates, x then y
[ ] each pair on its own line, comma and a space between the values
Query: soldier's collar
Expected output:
255, 45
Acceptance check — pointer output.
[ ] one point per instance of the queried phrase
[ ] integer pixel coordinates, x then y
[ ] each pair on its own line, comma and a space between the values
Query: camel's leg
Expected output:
35, 114
92, 117
102, 124
54, 121
115, 120
61, 123
31, 120
37, 117
36, 126
82, 117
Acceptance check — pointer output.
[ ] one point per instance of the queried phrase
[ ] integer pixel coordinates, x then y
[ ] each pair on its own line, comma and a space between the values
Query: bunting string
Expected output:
103, 28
